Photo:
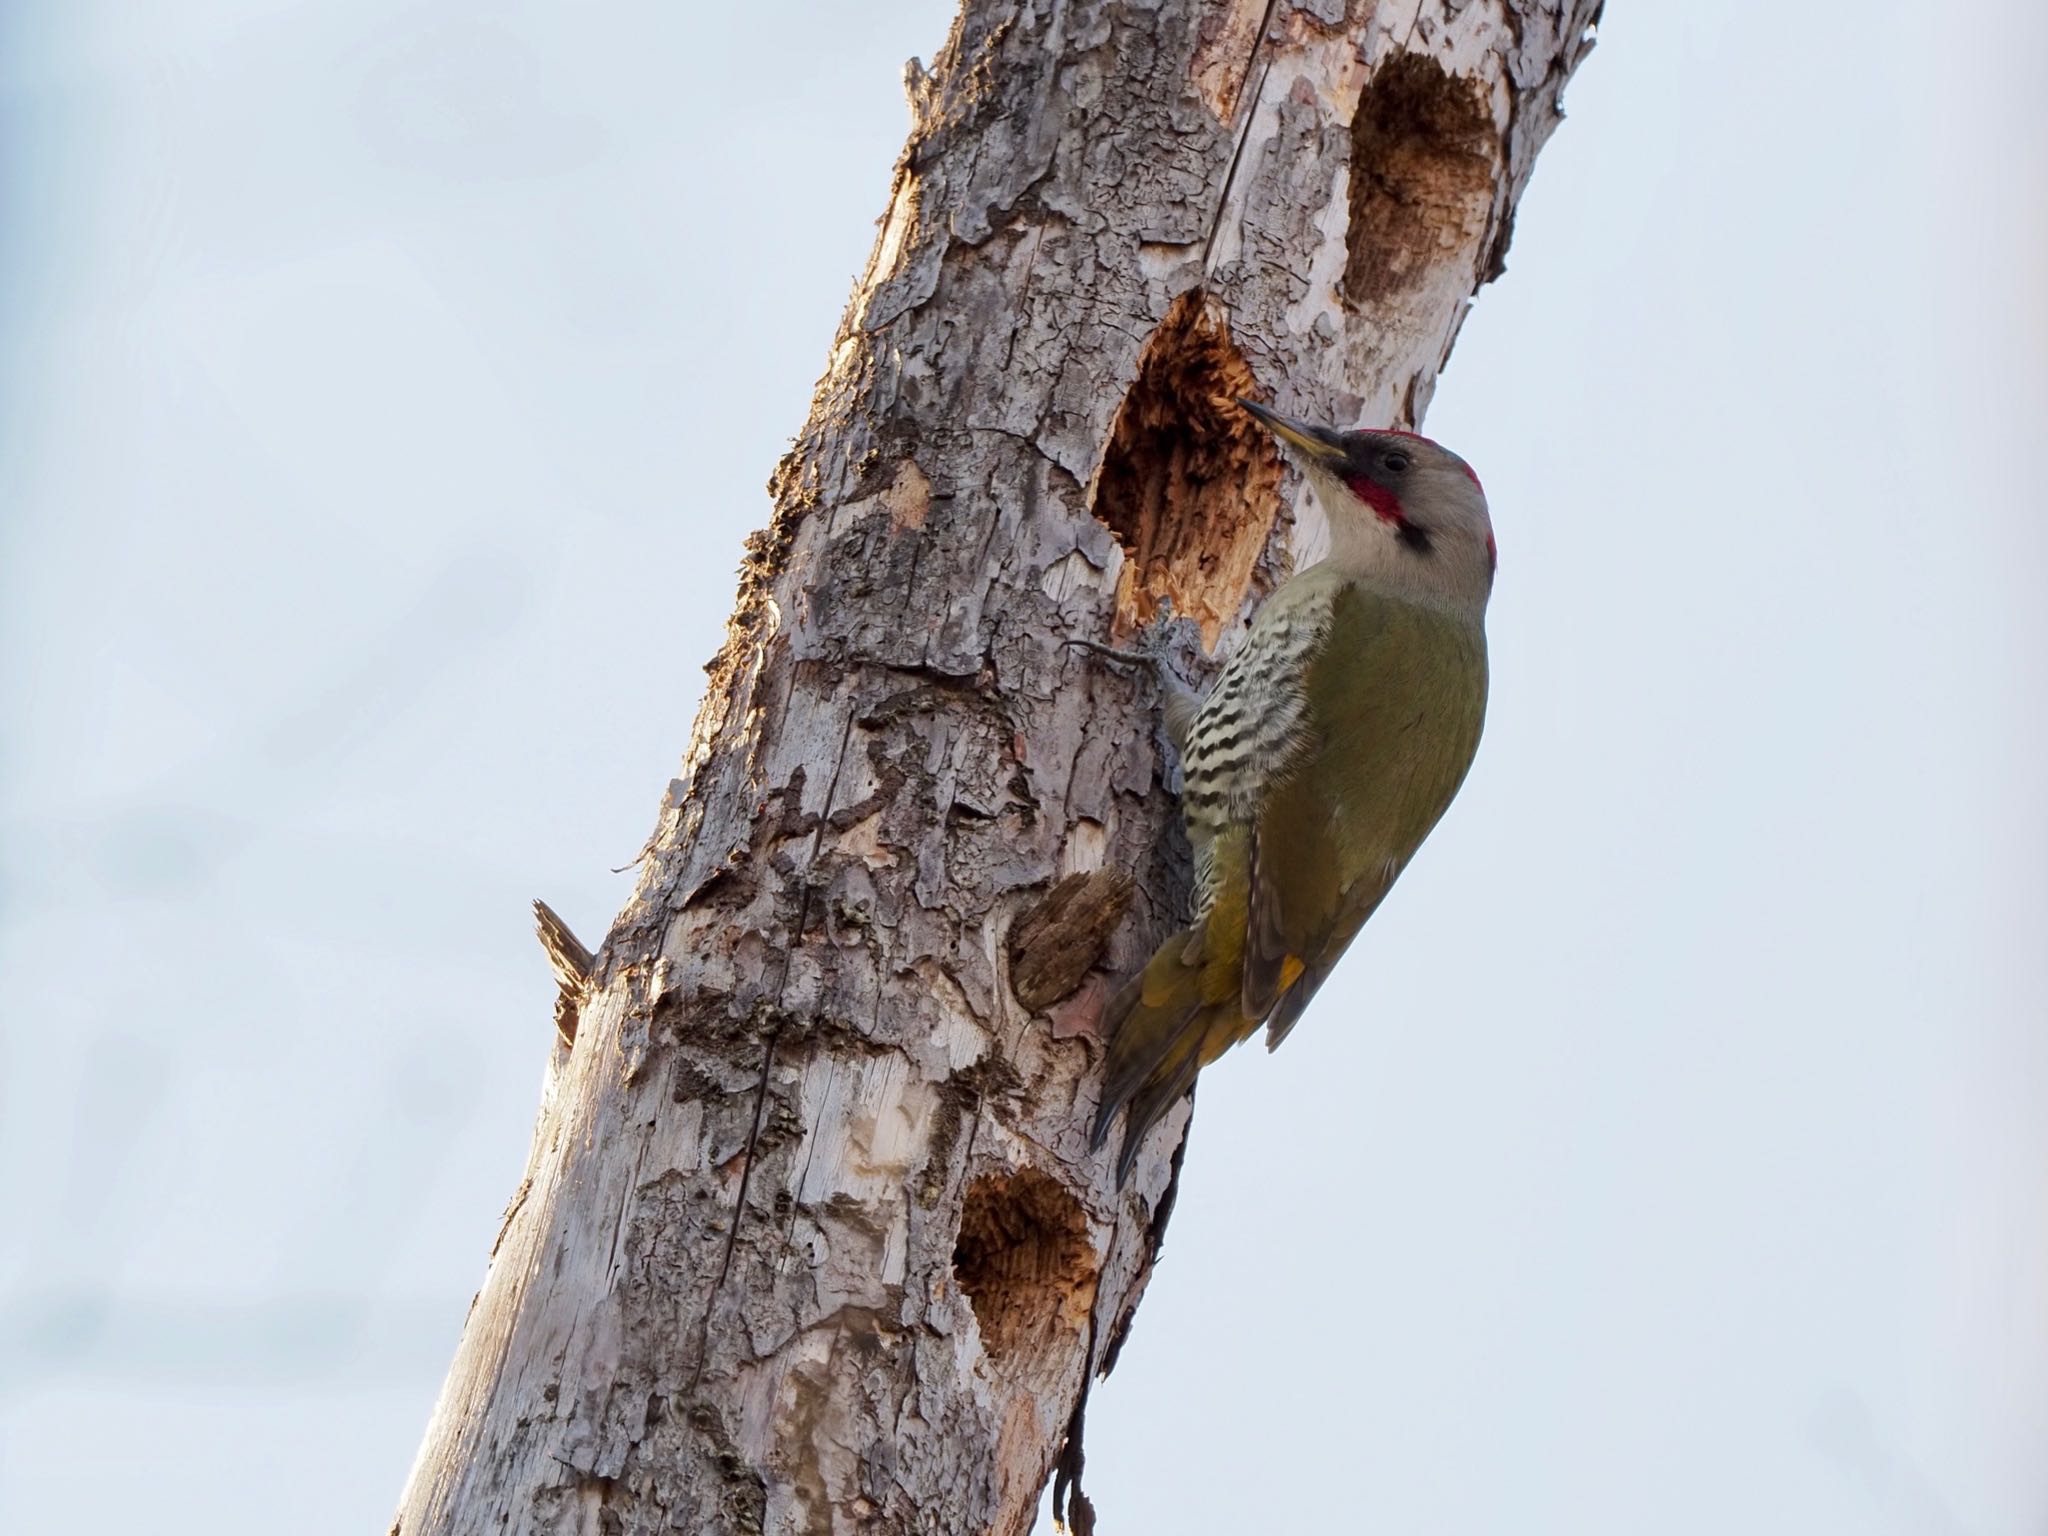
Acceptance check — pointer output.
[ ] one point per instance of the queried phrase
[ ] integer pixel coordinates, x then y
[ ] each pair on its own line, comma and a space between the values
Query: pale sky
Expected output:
385, 390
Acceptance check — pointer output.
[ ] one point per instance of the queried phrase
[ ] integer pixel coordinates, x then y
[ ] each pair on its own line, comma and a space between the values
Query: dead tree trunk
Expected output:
810, 1238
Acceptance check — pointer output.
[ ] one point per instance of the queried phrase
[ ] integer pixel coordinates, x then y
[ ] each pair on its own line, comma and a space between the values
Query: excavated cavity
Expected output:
1188, 481
1423, 147
1025, 1263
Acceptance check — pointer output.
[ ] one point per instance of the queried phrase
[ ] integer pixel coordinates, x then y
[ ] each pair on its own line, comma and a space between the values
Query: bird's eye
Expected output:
1396, 461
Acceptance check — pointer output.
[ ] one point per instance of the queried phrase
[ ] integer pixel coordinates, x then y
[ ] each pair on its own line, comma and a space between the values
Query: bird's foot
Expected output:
1113, 653
1176, 700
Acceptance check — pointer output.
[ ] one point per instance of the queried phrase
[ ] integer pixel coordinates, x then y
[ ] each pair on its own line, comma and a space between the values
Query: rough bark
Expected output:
810, 1238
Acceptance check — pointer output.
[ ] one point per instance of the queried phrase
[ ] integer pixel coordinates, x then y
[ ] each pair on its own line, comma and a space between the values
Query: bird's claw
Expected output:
1113, 653
1177, 701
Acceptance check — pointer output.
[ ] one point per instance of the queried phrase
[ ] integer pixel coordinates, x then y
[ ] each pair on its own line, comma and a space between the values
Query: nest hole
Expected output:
1188, 482
1024, 1261
1423, 147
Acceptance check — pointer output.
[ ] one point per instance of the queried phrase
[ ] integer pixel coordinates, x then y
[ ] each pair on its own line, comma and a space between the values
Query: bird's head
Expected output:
1400, 506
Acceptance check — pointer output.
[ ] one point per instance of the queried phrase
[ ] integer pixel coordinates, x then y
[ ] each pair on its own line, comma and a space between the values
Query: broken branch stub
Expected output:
571, 963
1058, 941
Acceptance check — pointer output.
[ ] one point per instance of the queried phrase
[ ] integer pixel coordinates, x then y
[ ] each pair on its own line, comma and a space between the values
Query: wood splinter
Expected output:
571, 962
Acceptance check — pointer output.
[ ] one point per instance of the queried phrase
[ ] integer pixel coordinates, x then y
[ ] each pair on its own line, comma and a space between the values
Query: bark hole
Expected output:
1422, 155
1025, 1263
1188, 480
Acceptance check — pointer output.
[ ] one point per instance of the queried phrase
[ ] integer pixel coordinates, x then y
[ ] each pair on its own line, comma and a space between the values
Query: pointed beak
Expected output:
1304, 438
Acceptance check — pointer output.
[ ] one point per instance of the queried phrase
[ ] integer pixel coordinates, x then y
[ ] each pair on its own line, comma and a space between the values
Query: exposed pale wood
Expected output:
810, 1238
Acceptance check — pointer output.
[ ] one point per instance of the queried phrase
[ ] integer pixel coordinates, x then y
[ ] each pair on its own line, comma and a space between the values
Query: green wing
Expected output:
1308, 809
1396, 698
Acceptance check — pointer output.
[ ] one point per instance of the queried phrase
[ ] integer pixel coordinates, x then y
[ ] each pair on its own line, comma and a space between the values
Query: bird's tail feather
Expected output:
1161, 1033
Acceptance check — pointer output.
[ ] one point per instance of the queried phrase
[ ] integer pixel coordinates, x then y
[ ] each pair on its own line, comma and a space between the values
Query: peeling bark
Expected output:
810, 1238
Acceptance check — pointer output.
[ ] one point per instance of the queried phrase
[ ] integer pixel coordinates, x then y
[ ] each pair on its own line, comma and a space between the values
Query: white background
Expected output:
385, 390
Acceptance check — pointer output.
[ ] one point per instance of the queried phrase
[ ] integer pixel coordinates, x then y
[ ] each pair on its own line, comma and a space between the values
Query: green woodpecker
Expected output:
1333, 740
